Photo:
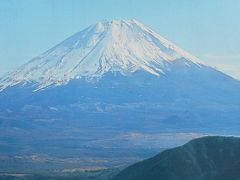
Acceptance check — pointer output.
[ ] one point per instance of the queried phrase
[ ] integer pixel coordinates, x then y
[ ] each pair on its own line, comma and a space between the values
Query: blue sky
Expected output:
209, 29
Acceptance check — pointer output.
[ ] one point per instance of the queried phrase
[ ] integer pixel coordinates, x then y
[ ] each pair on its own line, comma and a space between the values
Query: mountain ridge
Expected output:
210, 157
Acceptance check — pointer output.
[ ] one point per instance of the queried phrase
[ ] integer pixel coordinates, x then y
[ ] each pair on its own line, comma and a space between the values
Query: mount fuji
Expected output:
116, 46
121, 59
117, 79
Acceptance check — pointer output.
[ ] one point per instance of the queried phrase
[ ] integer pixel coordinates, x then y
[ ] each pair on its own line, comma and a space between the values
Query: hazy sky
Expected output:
209, 29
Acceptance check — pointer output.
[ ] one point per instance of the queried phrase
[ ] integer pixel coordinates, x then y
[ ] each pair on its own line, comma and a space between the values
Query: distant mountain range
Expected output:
215, 158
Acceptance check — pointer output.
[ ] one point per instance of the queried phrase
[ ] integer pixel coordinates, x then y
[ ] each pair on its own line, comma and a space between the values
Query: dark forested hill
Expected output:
207, 158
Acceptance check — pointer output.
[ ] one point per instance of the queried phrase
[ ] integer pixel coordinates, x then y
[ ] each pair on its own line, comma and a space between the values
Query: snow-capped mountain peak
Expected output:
118, 45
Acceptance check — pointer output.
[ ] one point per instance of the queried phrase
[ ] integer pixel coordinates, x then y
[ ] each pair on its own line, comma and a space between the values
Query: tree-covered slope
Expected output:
215, 158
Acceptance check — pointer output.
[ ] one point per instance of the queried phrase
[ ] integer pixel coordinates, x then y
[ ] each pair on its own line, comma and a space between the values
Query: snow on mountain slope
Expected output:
124, 46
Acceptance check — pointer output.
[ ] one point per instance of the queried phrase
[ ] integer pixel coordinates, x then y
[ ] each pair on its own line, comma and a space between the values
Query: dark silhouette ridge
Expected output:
206, 158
